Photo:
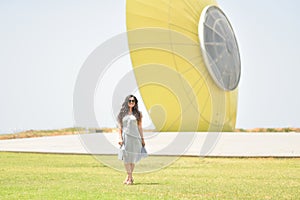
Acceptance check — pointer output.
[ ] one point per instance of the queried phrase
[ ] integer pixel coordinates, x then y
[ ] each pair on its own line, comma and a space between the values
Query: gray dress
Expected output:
131, 151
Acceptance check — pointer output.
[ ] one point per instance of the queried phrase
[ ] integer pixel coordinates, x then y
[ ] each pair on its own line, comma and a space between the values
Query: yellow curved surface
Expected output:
169, 68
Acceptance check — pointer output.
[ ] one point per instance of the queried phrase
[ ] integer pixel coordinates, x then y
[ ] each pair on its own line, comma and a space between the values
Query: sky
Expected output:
43, 45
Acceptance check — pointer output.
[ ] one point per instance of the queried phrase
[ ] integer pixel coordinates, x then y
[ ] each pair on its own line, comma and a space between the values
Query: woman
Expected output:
131, 137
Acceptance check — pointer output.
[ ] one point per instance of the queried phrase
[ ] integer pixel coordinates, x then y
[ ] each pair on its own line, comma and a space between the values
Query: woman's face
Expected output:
131, 102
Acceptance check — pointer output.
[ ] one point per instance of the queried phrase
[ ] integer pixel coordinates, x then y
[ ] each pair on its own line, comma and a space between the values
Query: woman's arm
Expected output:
141, 130
120, 134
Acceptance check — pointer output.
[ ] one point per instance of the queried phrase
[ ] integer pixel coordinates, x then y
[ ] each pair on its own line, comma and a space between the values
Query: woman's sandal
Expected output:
125, 181
129, 182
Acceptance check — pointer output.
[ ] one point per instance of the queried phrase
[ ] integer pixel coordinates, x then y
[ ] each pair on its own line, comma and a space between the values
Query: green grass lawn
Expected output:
54, 176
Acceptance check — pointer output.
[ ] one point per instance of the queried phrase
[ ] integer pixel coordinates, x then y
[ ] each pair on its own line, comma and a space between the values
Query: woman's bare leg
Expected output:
132, 165
129, 172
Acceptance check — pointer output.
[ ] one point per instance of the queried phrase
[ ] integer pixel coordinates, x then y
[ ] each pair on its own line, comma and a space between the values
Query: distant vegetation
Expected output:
269, 130
72, 131
41, 133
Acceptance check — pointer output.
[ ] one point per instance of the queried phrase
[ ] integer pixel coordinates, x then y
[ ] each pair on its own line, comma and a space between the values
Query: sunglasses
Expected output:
131, 101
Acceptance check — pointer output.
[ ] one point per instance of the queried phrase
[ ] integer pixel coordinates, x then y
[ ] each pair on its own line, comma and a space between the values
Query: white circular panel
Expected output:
219, 48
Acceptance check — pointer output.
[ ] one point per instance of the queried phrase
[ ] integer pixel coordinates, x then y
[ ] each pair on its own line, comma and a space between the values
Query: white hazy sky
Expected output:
43, 45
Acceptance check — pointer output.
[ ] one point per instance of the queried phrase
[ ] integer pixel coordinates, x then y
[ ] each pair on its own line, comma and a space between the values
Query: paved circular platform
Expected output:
197, 144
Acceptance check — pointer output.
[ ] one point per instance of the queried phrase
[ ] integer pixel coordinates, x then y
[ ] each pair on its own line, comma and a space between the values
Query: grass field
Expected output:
54, 176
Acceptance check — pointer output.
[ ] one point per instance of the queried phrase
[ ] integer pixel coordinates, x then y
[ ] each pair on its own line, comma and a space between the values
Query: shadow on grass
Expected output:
141, 183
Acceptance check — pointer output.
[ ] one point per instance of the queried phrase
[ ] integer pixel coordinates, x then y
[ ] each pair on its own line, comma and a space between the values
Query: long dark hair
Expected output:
125, 108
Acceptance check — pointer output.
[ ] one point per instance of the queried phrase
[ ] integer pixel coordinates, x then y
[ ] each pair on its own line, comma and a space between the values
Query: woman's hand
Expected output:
120, 142
143, 142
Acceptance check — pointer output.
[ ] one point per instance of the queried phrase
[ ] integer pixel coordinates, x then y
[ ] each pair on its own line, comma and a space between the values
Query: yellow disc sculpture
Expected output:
186, 63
